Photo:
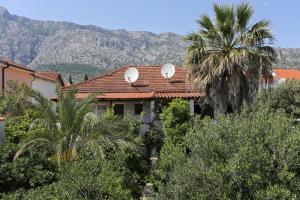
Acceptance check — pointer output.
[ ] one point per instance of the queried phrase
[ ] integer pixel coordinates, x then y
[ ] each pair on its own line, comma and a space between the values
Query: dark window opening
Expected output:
119, 109
197, 109
138, 109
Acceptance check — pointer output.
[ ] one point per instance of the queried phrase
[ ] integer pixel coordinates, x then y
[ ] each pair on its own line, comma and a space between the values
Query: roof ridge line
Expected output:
100, 76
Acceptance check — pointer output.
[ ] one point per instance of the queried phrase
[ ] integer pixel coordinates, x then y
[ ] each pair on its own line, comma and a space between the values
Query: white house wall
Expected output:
45, 87
129, 108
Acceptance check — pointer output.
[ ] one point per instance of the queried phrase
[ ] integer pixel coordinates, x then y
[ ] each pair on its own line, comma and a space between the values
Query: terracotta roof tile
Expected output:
48, 75
52, 76
287, 73
150, 84
11, 63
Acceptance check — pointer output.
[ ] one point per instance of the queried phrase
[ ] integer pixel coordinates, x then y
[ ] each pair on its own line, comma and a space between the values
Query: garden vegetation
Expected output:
250, 151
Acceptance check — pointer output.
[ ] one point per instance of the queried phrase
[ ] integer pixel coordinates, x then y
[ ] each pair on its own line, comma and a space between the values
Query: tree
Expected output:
253, 155
70, 80
228, 56
73, 129
286, 96
85, 77
16, 98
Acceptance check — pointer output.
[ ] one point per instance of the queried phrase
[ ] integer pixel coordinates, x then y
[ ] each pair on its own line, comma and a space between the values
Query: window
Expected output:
119, 109
138, 109
197, 109
101, 109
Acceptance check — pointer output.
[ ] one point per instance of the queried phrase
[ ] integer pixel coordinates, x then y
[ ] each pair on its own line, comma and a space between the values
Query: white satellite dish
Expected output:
167, 70
274, 74
131, 74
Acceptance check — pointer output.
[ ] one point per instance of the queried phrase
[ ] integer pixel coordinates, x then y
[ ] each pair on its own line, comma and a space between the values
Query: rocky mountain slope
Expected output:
41, 44
77, 49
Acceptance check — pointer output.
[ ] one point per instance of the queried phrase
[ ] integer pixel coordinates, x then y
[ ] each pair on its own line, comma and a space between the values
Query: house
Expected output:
44, 82
281, 75
146, 95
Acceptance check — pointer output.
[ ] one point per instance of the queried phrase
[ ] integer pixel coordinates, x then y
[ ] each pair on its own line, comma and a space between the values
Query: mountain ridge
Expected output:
57, 45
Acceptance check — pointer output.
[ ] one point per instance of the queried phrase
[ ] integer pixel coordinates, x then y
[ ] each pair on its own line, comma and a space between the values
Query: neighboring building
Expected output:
44, 82
281, 75
14, 71
143, 96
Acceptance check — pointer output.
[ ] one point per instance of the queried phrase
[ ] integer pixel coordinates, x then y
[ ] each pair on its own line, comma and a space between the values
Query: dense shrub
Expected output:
249, 156
32, 170
83, 179
18, 127
176, 121
175, 117
285, 96
16, 98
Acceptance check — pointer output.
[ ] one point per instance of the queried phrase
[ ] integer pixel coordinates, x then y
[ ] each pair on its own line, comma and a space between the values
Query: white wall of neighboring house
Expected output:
46, 87
128, 108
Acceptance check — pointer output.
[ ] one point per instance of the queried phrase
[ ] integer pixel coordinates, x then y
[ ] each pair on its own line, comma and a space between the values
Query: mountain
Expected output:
52, 45
288, 58
74, 49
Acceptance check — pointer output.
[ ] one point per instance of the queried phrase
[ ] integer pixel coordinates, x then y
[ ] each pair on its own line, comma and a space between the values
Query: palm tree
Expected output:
228, 56
73, 129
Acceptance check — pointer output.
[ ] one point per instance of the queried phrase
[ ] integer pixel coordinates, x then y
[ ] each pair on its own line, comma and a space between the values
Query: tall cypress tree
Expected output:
85, 77
70, 80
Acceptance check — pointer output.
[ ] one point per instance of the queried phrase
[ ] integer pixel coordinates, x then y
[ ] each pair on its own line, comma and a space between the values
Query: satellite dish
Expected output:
131, 75
168, 70
274, 74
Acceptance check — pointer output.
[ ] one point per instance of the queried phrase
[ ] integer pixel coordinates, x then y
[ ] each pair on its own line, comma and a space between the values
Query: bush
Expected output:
18, 127
16, 98
29, 171
286, 97
175, 119
249, 156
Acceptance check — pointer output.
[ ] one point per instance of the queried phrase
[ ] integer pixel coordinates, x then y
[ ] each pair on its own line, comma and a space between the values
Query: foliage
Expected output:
228, 55
70, 80
174, 118
78, 129
121, 175
82, 179
16, 98
62, 140
153, 138
17, 128
254, 155
30, 171
285, 96
85, 77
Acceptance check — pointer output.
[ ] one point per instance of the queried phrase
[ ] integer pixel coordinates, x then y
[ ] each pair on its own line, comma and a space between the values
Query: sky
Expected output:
158, 16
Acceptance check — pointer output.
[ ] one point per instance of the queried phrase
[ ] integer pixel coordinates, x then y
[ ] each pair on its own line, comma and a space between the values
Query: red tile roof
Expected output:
150, 84
11, 63
48, 75
52, 76
286, 73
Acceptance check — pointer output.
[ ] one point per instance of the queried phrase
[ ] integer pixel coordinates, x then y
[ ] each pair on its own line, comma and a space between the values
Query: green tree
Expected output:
176, 121
16, 98
70, 80
73, 129
228, 56
249, 156
285, 96
85, 77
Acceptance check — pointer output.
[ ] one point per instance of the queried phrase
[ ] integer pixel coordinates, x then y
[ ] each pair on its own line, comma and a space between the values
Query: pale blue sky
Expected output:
157, 15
